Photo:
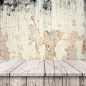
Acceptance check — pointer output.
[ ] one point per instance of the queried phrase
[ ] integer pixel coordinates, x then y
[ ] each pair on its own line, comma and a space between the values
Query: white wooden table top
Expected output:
42, 68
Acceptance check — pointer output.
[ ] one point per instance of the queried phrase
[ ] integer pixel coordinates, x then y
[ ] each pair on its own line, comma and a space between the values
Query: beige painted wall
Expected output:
43, 29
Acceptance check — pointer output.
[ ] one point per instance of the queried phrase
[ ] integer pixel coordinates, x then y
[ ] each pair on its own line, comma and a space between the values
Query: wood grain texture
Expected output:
1, 61
53, 81
7, 67
83, 81
35, 81
29, 68
43, 73
79, 65
49, 81
49, 67
18, 81
4, 81
64, 69
71, 81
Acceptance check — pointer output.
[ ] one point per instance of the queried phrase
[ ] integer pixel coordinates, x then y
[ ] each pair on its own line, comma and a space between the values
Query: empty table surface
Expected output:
42, 68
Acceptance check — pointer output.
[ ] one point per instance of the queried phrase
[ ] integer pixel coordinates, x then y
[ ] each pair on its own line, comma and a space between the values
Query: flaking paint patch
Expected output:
49, 39
55, 18
71, 50
3, 47
74, 22
83, 44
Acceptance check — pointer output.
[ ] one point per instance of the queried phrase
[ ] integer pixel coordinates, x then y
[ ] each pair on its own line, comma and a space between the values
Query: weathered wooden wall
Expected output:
43, 29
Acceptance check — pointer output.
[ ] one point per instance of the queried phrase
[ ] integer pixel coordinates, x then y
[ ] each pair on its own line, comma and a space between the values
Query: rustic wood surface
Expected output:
49, 67
30, 68
43, 68
79, 65
4, 81
8, 66
66, 70
43, 73
2, 61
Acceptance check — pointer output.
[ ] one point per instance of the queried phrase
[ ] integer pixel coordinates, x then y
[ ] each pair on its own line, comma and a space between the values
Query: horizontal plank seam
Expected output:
73, 67
17, 67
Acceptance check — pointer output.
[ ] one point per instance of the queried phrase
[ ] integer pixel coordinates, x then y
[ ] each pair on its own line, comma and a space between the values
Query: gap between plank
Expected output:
17, 67
73, 67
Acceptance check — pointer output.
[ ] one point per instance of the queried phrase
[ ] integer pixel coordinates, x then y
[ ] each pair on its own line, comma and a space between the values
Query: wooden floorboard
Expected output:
79, 65
43, 73
66, 69
8, 66
49, 67
29, 68
1, 61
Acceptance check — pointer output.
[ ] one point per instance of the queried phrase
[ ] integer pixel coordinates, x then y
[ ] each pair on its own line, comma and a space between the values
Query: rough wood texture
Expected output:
35, 81
1, 61
71, 81
43, 73
49, 81
60, 68
8, 66
63, 69
18, 81
49, 67
30, 68
4, 81
79, 65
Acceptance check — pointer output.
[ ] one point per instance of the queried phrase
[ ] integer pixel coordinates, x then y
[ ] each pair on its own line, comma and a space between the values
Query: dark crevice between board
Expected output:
44, 69
73, 67
17, 67
44, 73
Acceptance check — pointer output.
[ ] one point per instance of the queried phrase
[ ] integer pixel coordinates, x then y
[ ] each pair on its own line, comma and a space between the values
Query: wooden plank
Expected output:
1, 61
35, 81
4, 81
53, 81
64, 69
18, 81
58, 81
30, 68
71, 81
9, 66
79, 65
83, 81
59, 70
49, 81
49, 67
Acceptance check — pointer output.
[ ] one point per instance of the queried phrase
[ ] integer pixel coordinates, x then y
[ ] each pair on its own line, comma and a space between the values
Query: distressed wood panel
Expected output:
49, 68
8, 66
18, 81
71, 81
30, 68
1, 61
64, 69
4, 81
79, 65
35, 81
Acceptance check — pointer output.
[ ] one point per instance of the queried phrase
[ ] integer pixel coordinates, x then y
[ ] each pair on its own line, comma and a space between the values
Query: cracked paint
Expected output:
42, 30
